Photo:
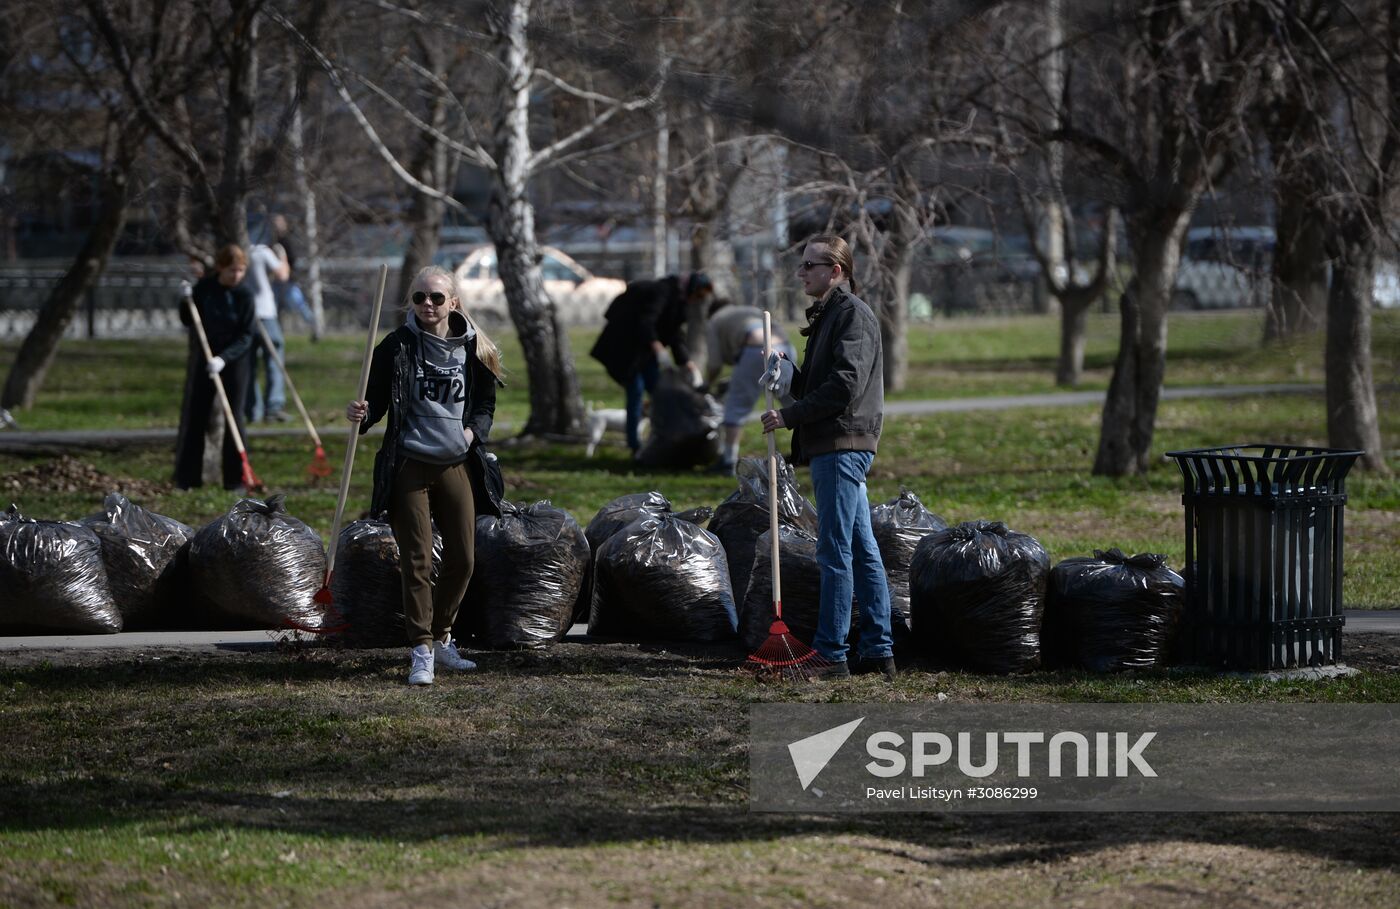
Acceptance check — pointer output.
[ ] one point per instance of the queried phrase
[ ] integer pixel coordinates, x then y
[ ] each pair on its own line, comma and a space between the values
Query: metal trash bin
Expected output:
1263, 555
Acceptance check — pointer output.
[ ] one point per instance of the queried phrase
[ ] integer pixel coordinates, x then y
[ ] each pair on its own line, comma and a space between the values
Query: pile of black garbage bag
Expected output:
261, 564
139, 550
530, 567
1112, 612
662, 577
743, 517
977, 596
52, 578
800, 583
684, 424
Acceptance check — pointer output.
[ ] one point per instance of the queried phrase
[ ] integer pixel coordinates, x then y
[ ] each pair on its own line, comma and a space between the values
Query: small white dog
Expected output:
601, 420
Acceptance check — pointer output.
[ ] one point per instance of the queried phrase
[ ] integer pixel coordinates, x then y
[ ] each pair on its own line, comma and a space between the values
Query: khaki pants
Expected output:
424, 493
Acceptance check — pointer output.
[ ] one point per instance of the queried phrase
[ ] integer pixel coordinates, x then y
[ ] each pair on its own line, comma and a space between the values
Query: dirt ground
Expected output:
588, 775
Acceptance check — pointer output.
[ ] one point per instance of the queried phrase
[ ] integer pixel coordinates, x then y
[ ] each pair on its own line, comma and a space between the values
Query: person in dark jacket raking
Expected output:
435, 377
644, 320
226, 310
835, 422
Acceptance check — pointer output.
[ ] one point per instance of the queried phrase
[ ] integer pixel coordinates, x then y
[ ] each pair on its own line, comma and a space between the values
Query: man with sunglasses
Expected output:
642, 323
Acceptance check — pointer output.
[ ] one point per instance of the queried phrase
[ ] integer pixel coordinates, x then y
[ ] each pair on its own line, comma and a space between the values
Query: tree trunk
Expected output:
36, 354
435, 166
1074, 316
658, 194
1130, 410
1299, 297
556, 405
899, 266
231, 219
311, 228
1352, 418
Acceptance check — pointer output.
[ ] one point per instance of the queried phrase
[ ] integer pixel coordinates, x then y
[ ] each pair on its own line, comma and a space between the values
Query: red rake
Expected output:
319, 468
250, 479
782, 656
324, 595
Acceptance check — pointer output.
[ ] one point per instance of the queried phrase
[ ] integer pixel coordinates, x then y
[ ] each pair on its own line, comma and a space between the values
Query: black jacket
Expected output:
840, 388
391, 383
647, 311
227, 316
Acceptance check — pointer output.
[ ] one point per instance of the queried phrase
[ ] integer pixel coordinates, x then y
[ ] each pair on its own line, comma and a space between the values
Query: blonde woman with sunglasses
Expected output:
435, 378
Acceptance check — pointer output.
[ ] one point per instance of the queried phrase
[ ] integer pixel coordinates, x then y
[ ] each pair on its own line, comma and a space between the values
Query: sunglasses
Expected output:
419, 298
808, 266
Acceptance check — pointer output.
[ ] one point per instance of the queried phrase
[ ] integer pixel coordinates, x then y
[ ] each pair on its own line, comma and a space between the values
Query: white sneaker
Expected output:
421, 671
445, 652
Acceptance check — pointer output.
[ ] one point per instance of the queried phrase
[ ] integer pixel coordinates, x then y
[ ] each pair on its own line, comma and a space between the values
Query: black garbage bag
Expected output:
52, 578
684, 424
697, 515
899, 525
622, 511
530, 566
259, 563
801, 586
977, 594
740, 519
1112, 612
367, 585
138, 547
662, 578
611, 518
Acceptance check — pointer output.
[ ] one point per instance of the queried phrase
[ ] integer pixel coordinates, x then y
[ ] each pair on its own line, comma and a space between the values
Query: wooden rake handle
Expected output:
772, 474
218, 379
355, 427
282, 367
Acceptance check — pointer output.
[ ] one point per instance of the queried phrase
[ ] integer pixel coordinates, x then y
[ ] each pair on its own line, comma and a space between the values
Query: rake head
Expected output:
785, 658
324, 595
250, 479
319, 468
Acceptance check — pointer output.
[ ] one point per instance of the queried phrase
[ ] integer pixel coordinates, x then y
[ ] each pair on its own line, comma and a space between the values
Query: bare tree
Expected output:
1188, 75
57, 58
1344, 64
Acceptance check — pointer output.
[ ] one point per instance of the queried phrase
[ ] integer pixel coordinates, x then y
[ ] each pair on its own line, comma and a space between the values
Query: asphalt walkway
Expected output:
1359, 621
13, 441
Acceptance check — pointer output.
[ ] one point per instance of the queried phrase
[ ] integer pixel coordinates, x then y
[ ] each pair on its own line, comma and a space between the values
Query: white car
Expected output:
579, 296
1226, 268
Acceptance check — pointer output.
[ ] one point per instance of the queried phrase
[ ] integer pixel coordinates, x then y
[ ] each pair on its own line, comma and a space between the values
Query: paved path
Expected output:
1359, 621
57, 441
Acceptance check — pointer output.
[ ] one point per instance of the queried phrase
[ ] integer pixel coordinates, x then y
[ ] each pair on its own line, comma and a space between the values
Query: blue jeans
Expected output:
642, 381
849, 559
276, 398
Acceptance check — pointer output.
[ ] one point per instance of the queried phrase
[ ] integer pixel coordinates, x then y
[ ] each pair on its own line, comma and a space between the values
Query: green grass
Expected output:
617, 770
1027, 467
616, 775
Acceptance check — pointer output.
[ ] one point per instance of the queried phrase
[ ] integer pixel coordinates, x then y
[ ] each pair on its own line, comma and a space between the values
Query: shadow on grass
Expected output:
574, 747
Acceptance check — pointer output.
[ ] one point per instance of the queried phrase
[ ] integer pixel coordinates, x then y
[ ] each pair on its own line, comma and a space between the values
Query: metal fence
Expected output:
139, 299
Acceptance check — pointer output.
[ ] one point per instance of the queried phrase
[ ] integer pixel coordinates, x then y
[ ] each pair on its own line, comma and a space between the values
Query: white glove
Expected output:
664, 360
777, 375
216, 365
186, 290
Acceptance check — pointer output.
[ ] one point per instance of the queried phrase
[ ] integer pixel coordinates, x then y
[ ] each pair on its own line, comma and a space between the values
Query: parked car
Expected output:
1225, 268
973, 270
580, 296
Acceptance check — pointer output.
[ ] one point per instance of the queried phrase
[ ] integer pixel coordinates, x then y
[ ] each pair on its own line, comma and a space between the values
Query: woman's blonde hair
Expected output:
486, 350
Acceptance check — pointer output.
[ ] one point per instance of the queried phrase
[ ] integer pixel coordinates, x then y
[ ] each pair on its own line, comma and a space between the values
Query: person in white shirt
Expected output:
265, 265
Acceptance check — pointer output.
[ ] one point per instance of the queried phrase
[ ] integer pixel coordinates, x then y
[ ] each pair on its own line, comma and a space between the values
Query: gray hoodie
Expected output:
432, 429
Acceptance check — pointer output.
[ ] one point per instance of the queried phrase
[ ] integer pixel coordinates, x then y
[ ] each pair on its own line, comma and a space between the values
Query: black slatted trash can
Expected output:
1263, 555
